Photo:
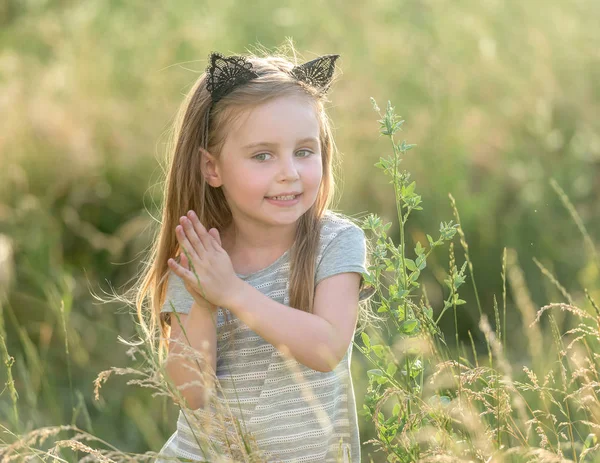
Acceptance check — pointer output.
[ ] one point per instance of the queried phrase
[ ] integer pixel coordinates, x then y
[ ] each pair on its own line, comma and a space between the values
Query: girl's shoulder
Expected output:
343, 249
339, 231
333, 223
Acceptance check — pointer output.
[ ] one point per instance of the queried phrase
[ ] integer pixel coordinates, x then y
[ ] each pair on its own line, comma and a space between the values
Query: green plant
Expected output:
392, 377
447, 407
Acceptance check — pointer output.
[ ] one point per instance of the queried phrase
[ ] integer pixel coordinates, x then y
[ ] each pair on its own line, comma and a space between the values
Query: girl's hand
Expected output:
196, 295
214, 278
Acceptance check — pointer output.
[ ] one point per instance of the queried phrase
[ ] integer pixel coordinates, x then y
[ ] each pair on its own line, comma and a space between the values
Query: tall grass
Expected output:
429, 403
502, 96
427, 400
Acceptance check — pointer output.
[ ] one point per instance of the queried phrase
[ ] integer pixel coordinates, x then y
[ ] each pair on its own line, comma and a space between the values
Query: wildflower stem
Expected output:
465, 246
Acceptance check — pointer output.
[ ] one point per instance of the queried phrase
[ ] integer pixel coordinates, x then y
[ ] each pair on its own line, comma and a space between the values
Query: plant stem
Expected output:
398, 198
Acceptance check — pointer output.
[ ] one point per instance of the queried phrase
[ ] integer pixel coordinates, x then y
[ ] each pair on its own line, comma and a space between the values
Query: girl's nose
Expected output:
289, 168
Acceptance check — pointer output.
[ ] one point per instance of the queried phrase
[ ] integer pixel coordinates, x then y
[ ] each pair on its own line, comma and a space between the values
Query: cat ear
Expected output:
317, 72
227, 72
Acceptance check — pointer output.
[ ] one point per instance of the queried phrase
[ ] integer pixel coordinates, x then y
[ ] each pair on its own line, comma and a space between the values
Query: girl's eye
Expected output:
305, 151
267, 154
261, 154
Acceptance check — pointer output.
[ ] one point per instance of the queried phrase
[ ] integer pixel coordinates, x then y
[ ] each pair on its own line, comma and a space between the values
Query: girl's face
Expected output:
271, 150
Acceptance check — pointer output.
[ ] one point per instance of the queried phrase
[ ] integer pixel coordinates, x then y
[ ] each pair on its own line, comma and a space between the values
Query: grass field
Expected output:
493, 357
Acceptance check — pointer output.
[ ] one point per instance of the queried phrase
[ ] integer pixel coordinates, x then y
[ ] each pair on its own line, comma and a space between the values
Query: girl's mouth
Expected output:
285, 202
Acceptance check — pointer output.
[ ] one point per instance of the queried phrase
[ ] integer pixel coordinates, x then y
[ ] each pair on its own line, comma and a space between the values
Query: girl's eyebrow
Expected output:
269, 144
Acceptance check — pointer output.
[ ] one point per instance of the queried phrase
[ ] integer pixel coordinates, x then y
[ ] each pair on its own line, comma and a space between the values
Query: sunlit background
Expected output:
500, 98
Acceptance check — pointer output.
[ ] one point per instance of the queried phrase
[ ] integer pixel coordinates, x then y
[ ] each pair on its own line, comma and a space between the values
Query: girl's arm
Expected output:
200, 327
318, 341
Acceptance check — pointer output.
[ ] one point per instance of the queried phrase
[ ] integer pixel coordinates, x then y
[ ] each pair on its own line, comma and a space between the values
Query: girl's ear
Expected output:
210, 168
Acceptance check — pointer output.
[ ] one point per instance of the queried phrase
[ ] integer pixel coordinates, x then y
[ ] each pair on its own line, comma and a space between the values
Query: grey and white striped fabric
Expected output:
295, 413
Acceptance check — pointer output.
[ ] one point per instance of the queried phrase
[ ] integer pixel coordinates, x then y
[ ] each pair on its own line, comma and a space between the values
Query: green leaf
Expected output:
410, 264
428, 311
379, 351
419, 249
390, 420
421, 262
391, 369
430, 239
375, 372
400, 313
416, 368
440, 400
396, 410
401, 294
408, 326
366, 340
445, 400
382, 380
414, 276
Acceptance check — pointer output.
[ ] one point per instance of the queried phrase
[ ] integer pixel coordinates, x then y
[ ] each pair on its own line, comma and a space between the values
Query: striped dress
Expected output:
292, 412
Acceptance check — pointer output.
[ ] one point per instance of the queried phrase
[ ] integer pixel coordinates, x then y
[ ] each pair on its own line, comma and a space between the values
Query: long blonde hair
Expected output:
185, 187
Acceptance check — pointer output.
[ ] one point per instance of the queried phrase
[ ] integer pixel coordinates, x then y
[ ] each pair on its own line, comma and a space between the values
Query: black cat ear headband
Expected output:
227, 72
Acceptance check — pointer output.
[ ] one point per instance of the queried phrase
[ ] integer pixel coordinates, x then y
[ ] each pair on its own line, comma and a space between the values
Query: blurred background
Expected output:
499, 96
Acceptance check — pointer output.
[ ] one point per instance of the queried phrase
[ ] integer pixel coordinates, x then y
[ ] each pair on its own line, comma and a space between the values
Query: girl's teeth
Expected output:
283, 198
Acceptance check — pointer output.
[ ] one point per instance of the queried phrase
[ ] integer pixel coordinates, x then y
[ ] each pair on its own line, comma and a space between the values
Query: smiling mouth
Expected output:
287, 198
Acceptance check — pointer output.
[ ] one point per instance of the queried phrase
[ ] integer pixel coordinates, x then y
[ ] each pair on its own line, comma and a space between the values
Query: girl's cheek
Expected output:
255, 183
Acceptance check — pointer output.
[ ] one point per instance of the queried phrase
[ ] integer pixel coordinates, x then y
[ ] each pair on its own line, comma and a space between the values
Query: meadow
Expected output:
489, 292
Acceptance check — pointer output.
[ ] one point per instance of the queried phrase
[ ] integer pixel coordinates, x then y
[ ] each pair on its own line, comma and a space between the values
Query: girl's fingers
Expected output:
193, 236
209, 238
190, 280
178, 269
200, 229
216, 235
184, 242
216, 238
184, 262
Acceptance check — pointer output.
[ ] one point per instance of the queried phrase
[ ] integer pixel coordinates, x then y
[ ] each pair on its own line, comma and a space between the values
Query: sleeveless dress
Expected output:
294, 413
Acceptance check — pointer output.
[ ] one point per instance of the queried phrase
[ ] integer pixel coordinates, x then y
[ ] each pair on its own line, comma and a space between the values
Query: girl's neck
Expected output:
247, 258
273, 242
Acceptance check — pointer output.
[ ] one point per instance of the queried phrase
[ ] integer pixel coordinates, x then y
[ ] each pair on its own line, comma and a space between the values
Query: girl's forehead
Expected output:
279, 118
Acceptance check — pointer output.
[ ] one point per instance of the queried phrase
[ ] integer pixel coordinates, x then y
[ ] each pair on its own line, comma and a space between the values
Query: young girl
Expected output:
265, 279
